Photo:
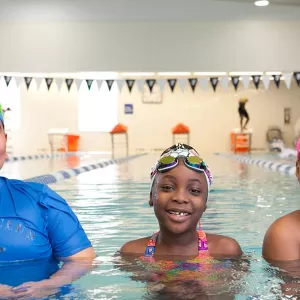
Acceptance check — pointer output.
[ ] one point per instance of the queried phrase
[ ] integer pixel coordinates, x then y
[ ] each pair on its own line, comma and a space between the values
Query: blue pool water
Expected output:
112, 204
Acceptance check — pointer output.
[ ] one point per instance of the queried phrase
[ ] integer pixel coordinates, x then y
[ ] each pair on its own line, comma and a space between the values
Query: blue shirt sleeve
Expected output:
65, 232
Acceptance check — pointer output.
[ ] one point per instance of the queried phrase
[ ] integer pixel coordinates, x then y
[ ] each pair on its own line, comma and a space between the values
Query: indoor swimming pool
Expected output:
112, 204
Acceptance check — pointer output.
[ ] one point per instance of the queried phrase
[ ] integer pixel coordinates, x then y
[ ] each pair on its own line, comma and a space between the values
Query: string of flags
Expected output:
203, 82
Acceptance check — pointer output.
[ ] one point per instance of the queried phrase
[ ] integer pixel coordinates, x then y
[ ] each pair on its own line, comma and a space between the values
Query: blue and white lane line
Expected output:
41, 156
68, 173
267, 164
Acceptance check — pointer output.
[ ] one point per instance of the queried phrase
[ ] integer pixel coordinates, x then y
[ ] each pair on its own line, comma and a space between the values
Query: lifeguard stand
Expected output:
120, 130
182, 132
241, 141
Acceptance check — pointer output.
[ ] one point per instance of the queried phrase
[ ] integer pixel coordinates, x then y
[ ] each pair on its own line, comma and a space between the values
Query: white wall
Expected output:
133, 46
210, 116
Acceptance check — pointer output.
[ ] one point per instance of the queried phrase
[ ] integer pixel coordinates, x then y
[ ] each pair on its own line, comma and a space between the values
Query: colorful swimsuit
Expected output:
203, 268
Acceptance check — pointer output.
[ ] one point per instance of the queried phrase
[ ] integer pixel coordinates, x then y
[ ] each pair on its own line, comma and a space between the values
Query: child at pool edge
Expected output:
179, 191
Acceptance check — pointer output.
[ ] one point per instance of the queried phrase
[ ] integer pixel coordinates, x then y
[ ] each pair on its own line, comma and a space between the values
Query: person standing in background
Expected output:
243, 113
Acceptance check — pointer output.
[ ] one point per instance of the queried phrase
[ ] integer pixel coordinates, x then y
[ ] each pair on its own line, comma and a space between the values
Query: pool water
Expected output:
112, 204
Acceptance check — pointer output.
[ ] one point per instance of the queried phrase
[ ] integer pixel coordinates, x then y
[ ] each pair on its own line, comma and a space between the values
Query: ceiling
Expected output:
145, 10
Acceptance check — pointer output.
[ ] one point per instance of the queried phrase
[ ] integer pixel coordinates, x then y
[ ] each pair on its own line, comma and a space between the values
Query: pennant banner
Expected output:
277, 80
161, 83
109, 83
150, 83
297, 77
256, 81
214, 82
287, 79
172, 84
266, 81
193, 83
28, 81
235, 81
89, 83
225, 82
7, 80
69, 83
18, 81
59, 83
246, 81
38, 82
140, 85
130, 84
120, 84
49, 82
99, 84
203, 83
182, 83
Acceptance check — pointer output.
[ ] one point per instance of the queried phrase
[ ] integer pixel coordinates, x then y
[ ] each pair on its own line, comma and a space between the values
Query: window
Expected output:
10, 98
97, 110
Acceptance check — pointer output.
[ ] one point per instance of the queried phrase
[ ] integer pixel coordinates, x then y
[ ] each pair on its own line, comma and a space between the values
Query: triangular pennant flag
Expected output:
120, 83
204, 82
150, 83
297, 77
7, 80
89, 83
59, 83
182, 83
130, 84
38, 82
28, 81
18, 81
49, 82
140, 85
277, 80
78, 83
266, 81
69, 83
287, 79
235, 81
246, 81
172, 84
193, 83
109, 83
224, 82
99, 83
256, 80
161, 83
214, 82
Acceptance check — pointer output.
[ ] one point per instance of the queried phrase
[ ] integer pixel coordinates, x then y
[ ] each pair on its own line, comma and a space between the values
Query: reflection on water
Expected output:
112, 204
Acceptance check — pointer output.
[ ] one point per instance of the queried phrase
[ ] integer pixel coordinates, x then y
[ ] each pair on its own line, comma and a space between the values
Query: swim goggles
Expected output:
192, 160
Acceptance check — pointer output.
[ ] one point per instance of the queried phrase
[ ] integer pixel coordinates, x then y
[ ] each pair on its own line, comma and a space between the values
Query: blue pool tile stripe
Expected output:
41, 156
66, 174
267, 164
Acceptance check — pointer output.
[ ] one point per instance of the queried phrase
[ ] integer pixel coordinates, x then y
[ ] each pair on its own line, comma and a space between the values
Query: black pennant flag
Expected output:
28, 81
109, 84
89, 83
69, 83
297, 77
277, 80
7, 80
214, 82
49, 82
150, 83
130, 84
172, 84
256, 80
193, 83
235, 81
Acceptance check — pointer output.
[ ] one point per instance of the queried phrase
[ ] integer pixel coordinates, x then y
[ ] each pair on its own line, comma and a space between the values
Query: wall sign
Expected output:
128, 109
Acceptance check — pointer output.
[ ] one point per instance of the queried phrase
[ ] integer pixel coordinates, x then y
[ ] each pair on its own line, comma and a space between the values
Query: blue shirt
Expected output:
36, 223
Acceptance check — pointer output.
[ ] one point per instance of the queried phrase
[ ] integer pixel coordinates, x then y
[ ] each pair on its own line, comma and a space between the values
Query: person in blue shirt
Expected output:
37, 226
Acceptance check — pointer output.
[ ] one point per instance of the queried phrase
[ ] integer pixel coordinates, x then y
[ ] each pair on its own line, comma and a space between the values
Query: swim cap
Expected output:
192, 161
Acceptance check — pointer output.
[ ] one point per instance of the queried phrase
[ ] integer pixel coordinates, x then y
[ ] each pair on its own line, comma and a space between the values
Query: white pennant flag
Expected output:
120, 84
18, 81
59, 83
182, 83
246, 81
287, 79
161, 83
266, 81
203, 82
140, 85
78, 83
38, 82
99, 84
224, 82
